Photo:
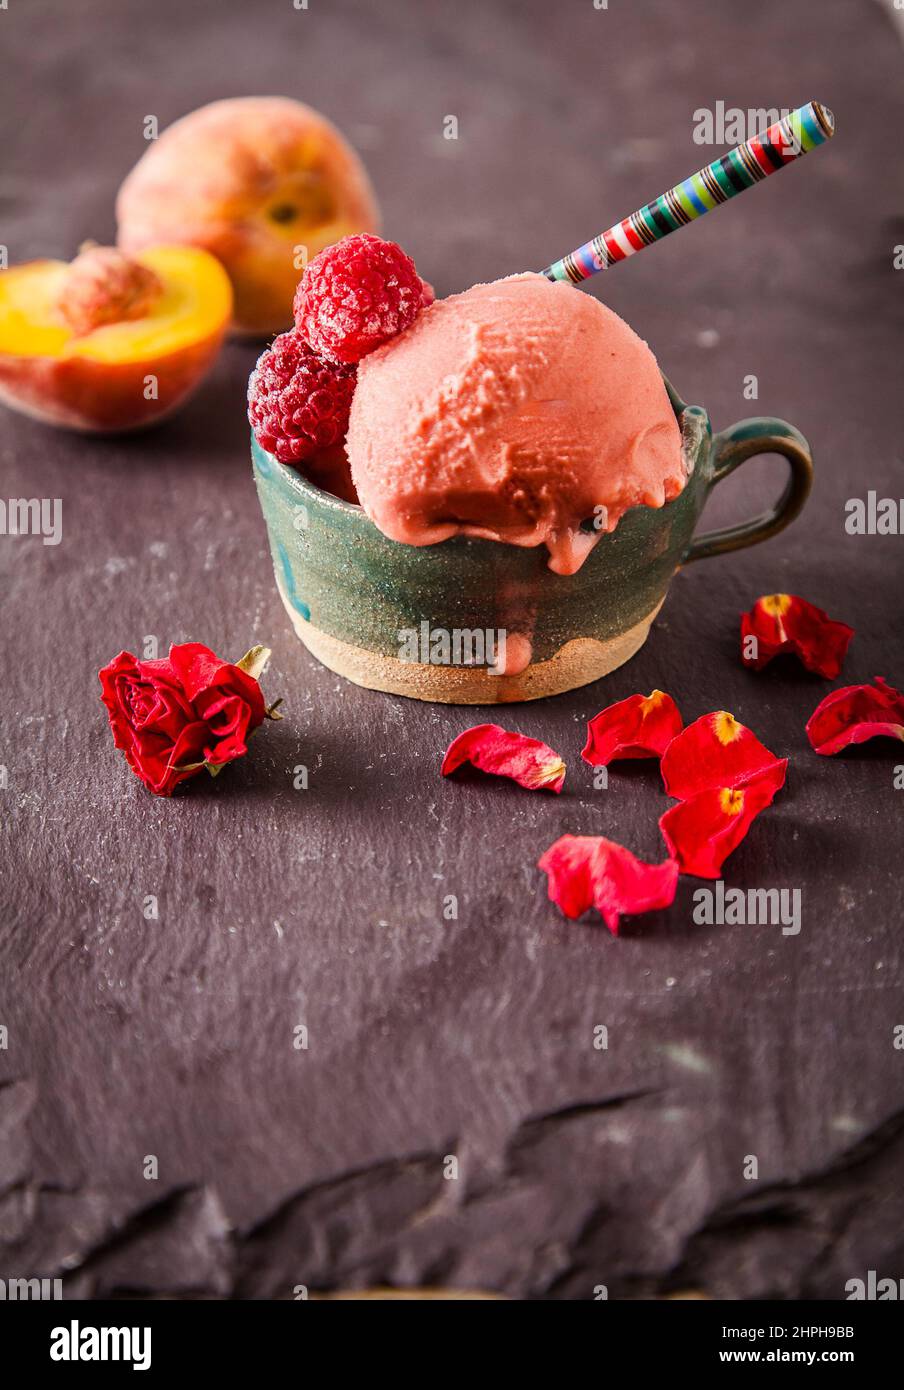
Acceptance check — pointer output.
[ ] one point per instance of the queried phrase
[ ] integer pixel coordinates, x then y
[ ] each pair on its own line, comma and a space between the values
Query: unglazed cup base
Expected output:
577, 663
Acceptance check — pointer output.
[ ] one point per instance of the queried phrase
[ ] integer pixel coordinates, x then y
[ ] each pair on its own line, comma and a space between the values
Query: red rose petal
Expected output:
854, 714
715, 751
786, 623
702, 832
200, 671
527, 761
590, 872
587, 871
642, 726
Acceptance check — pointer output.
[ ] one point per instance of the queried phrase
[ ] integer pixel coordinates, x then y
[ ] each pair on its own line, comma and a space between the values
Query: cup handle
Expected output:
731, 447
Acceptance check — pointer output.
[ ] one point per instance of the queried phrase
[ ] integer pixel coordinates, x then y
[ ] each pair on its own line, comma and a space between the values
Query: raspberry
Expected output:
297, 403
356, 295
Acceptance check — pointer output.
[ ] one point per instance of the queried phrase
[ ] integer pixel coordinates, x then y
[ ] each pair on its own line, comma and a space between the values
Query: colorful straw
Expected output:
740, 168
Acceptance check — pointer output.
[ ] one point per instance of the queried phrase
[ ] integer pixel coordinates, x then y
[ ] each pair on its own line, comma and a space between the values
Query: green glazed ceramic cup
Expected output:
479, 622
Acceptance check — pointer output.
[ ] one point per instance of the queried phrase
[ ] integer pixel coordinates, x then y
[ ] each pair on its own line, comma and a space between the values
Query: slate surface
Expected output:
173, 1037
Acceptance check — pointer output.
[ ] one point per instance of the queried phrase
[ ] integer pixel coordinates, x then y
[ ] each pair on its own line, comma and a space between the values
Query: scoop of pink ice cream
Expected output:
515, 411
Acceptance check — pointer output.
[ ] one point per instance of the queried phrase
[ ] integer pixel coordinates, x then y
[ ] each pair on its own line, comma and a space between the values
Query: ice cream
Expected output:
515, 411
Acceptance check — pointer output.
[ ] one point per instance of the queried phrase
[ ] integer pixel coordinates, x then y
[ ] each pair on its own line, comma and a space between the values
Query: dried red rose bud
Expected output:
642, 726
491, 748
587, 871
715, 751
785, 623
702, 831
189, 711
854, 714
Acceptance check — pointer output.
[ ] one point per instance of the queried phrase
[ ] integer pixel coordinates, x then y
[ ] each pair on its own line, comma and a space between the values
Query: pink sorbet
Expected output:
515, 412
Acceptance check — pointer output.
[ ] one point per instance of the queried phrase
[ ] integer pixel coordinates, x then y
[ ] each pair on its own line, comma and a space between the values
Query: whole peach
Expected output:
262, 183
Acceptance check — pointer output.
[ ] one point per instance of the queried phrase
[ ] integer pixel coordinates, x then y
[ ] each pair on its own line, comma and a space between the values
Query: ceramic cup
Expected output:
479, 622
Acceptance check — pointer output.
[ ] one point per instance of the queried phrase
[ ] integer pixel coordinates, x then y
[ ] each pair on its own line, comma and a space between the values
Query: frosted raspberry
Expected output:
297, 403
356, 295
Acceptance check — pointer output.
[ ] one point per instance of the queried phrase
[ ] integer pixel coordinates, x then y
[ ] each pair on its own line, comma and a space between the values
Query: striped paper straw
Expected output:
740, 168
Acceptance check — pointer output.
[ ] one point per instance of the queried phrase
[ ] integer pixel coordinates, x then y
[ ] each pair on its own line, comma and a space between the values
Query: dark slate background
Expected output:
174, 1037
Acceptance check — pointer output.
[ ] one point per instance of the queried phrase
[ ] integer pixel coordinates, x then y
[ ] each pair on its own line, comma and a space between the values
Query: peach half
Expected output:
109, 342
262, 183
